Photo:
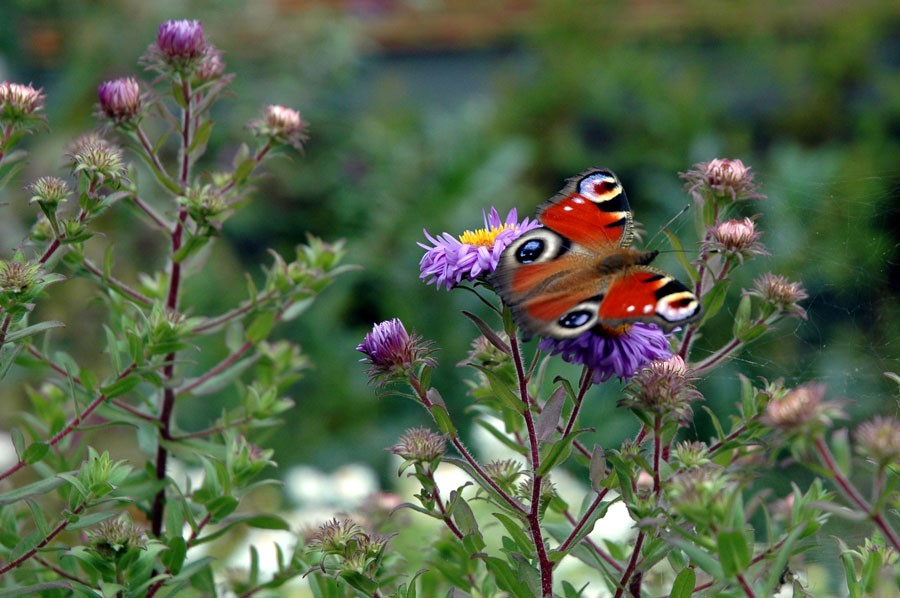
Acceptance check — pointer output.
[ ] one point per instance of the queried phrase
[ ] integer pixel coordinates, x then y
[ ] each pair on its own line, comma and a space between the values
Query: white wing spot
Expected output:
648, 308
629, 309
568, 208
577, 200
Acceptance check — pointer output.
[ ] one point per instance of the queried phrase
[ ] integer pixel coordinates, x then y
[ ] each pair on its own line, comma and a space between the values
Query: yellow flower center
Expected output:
482, 237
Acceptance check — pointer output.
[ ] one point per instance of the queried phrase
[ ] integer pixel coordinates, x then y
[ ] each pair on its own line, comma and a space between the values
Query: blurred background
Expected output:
425, 112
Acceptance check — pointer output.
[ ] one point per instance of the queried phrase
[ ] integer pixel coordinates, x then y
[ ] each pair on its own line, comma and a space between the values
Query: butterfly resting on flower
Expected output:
578, 275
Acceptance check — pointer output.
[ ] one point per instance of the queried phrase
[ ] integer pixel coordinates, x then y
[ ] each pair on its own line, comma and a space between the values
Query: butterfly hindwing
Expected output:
645, 294
591, 210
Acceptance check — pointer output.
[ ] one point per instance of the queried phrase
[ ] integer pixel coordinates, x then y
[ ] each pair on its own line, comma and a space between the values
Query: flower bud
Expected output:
97, 158
282, 125
391, 352
120, 99
778, 292
802, 410
49, 190
721, 180
181, 39
18, 101
115, 537
737, 238
211, 65
504, 472
664, 387
420, 445
879, 439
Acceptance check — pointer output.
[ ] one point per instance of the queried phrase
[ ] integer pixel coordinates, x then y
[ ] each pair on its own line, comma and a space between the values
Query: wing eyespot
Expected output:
530, 251
575, 319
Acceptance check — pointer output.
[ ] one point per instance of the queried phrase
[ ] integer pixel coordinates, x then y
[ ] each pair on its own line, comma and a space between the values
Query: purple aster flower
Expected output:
454, 259
619, 354
390, 351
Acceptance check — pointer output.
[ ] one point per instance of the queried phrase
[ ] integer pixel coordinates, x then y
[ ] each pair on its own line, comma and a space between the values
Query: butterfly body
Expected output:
578, 273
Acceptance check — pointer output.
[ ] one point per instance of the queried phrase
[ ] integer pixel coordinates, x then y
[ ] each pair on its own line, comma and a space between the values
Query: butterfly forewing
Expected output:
644, 294
592, 209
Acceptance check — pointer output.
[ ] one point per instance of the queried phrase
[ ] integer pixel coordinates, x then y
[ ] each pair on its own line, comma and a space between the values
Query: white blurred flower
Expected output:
8, 456
347, 486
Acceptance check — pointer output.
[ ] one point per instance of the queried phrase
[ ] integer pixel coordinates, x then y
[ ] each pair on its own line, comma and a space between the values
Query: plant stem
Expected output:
600, 552
234, 313
534, 523
746, 587
116, 284
632, 564
168, 400
436, 494
53, 533
853, 494
70, 427
222, 366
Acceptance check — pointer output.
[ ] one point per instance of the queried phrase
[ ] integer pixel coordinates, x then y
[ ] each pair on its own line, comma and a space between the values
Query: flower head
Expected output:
20, 105
421, 445
610, 352
390, 351
778, 292
181, 39
738, 238
50, 190
879, 439
16, 277
120, 99
115, 537
282, 125
505, 472
97, 158
802, 409
211, 65
450, 260
664, 386
721, 180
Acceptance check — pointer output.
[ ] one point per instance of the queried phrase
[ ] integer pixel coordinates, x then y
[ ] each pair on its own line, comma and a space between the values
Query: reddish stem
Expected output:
632, 564
13, 564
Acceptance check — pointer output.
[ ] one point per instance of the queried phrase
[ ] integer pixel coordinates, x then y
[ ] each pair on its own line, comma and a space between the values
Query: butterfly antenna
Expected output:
666, 225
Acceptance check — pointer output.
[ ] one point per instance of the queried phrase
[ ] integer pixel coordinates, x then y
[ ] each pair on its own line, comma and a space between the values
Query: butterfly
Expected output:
577, 273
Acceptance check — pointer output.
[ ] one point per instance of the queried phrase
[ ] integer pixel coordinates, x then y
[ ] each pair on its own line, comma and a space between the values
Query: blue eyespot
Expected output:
575, 319
530, 251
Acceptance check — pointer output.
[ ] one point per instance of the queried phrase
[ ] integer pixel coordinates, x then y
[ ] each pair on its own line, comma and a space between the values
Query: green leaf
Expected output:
681, 255
463, 515
683, 586
121, 386
734, 554
514, 529
559, 452
700, 557
201, 135
714, 299
357, 581
597, 468
261, 326
547, 421
18, 440
442, 418
34, 489
173, 558
221, 506
500, 436
488, 333
193, 245
35, 452
243, 170
35, 589
91, 520
32, 330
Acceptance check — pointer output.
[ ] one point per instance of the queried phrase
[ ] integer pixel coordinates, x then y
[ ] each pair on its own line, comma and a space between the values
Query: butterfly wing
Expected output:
591, 210
645, 294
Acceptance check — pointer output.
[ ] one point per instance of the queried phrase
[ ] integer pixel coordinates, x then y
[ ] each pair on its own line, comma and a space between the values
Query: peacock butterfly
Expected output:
578, 273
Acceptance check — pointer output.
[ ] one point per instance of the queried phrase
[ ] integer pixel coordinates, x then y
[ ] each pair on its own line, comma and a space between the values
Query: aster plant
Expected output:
73, 519
690, 502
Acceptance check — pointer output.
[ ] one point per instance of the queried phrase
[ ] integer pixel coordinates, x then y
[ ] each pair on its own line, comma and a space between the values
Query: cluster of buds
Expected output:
21, 106
702, 495
392, 353
505, 472
525, 491
346, 547
18, 277
205, 204
665, 388
48, 192
282, 125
